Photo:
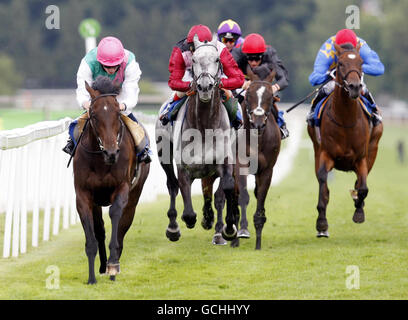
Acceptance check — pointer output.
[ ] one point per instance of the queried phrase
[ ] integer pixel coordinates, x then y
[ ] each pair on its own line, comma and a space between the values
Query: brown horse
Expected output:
346, 141
260, 114
105, 163
259, 105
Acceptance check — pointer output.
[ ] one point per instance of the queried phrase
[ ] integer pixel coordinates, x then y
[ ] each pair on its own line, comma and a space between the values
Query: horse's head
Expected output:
104, 117
349, 69
259, 99
206, 67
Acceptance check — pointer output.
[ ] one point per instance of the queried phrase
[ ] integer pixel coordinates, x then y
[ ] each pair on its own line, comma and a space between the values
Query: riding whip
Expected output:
79, 139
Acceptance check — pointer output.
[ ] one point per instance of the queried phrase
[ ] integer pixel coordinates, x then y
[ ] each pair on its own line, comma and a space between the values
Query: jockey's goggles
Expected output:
254, 57
111, 67
226, 40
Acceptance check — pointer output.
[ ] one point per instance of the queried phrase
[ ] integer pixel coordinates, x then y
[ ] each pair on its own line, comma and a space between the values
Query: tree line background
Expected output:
31, 56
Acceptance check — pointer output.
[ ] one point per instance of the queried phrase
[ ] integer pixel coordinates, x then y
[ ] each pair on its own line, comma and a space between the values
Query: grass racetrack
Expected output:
293, 263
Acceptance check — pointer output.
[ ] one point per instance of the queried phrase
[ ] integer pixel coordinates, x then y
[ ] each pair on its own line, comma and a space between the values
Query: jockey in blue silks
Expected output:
326, 63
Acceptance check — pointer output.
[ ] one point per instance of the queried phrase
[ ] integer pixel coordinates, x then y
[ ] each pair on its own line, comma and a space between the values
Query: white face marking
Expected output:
105, 108
352, 56
259, 111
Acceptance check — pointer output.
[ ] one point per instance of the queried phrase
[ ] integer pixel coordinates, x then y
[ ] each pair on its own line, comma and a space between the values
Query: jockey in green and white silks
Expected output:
111, 60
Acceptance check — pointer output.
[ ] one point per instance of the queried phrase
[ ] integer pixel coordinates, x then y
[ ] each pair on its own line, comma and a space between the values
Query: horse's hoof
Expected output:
243, 233
235, 243
93, 281
219, 240
322, 234
358, 216
173, 234
229, 236
113, 269
190, 221
207, 224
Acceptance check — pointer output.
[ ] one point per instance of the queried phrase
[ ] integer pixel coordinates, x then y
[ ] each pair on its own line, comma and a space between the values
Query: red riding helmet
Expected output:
346, 36
202, 31
254, 43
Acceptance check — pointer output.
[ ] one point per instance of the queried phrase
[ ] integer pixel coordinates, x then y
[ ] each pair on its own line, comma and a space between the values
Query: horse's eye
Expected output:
194, 61
341, 64
217, 60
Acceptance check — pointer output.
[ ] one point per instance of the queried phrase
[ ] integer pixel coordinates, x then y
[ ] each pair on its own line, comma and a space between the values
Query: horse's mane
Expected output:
105, 85
348, 46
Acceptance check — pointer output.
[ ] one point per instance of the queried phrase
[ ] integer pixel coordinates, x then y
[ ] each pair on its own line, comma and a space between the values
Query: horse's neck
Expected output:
343, 106
205, 115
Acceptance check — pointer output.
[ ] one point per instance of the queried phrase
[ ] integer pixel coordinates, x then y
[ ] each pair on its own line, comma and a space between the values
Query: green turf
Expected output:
293, 263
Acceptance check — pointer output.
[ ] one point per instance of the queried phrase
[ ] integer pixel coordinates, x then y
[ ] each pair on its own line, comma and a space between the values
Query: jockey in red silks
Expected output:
229, 33
111, 60
180, 79
263, 59
326, 63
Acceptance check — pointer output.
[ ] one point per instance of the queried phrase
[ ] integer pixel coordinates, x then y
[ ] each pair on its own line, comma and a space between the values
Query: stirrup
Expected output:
284, 132
164, 118
144, 156
69, 148
376, 119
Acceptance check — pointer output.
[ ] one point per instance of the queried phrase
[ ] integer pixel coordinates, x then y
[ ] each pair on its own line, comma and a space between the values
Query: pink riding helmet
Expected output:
110, 52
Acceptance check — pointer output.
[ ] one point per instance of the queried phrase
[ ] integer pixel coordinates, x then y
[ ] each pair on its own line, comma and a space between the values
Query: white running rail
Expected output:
35, 185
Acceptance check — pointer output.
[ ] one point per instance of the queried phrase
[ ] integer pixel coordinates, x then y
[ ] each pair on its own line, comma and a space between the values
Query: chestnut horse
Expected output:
106, 172
347, 141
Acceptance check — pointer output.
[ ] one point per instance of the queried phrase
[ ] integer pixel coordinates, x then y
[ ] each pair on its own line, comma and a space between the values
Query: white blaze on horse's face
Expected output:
259, 111
205, 67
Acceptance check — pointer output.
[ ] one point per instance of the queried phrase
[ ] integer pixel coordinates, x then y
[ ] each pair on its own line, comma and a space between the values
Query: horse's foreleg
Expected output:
84, 208
219, 202
208, 213
100, 237
227, 182
120, 200
189, 216
263, 181
325, 165
243, 201
375, 137
362, 191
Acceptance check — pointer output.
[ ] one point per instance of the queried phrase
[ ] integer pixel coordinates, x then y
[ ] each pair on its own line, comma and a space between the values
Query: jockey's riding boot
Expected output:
69, 148
319, 96
164, 118
144, 156
376, 118
231, 105
284, 131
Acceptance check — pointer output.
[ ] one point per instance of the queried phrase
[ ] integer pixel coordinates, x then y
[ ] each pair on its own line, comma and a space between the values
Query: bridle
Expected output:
258, 111
345, 85
119, 138
216, 78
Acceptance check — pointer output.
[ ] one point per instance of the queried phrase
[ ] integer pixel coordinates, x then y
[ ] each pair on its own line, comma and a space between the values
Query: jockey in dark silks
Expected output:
262, 59
111, 60
180, 79
229, 33
326, 63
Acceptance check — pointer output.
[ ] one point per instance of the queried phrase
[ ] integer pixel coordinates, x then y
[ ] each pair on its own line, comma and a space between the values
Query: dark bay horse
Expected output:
204, 147
106, 172
260, 115
346, 141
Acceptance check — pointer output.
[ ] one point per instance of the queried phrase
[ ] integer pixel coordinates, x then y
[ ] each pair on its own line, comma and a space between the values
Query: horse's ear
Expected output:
214, 39
338, 48
271, 76
90, 90
196, 41
251, 75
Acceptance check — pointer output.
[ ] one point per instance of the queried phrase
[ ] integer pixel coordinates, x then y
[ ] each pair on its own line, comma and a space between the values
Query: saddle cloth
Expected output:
136, 130
321, 105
